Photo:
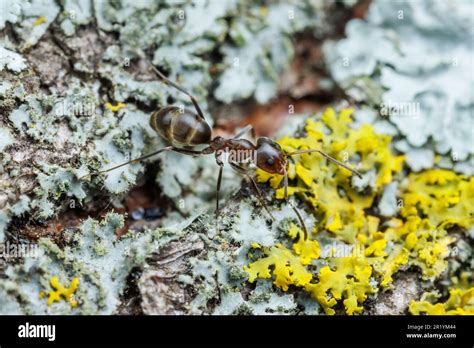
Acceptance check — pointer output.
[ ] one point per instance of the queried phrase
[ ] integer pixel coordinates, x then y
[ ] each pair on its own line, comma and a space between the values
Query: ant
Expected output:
184, 129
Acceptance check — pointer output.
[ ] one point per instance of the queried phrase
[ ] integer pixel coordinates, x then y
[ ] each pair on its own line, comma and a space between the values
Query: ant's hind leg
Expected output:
139, 159
188, 151
168, 148
245, 173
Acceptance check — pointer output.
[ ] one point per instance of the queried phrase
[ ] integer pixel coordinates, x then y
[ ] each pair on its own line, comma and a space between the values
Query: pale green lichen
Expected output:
6, 138
11, 60
255, 58
411, 60
99, 261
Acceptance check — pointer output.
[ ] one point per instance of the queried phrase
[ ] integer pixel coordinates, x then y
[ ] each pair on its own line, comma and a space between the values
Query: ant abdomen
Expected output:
180, 126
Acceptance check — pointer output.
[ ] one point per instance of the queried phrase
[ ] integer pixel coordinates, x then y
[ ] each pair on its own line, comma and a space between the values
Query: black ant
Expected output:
184, 129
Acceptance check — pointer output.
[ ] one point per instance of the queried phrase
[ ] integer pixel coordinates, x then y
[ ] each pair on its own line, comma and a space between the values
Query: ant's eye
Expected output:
270, 161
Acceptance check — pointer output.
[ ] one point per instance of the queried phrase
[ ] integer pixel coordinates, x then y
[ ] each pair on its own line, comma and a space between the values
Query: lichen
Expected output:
6, 138
96, 259
416, 232
11, 60
76, 94
425, 91
286, 266
320, 181
460, 302
61, 291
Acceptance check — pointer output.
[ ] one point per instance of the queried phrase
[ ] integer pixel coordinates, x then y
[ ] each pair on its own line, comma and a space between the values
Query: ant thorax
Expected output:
234, 150
240, 156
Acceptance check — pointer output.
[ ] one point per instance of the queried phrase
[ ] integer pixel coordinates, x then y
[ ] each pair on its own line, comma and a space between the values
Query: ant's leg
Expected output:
292, 204
246, 129
168, 148
179, 88
285, 183
219, 181
190, 152
299, 152
244, 172
305, 231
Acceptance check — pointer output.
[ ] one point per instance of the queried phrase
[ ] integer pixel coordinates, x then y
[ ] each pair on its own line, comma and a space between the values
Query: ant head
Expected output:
270, 156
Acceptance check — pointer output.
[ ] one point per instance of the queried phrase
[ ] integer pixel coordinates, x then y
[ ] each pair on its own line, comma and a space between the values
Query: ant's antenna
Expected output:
299, 152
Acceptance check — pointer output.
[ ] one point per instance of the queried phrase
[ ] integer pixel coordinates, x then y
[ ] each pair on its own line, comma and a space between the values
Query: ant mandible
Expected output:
182, 129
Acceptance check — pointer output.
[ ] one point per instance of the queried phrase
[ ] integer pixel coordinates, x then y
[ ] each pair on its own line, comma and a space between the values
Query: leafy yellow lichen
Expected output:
115, 108
433, 201
430, 203
60, 290
444, 197
305, 248
350, 279
416, 243
287, 267
460, 302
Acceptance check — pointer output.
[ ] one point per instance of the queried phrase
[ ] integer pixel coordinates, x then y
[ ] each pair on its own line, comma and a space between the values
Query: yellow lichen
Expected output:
60, 290
350, 280
433, 201
415, 242
255, 245
287, 267
39, 20
306, 249
430, 203
444, 197
460, 302
115, 108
